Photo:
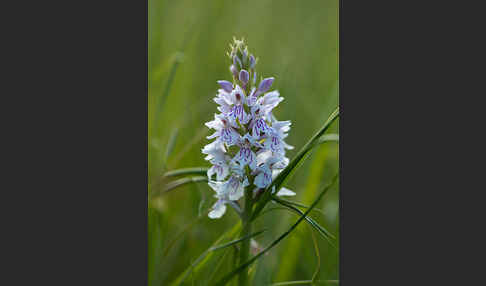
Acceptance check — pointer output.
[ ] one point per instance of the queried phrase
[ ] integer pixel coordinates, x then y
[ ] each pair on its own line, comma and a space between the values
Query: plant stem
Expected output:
245, 246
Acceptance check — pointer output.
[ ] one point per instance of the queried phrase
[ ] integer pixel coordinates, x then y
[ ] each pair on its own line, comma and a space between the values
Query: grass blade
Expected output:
318, 256
243, 266
205, 255
237, 240
177, 59
177, 183
294, 164
208, 254
187, 171
170, 146
325, 233
300, 205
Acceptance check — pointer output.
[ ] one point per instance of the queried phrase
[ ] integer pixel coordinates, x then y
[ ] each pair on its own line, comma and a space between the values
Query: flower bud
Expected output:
244, 76
252, 62
236, 59
265, 84
226, 85
234, 70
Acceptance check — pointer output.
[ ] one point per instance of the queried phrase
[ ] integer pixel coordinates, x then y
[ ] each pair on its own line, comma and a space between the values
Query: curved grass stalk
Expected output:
182, 232
318, 256
300, 205
194, 267
243, 266
177, 183
325, 233
170, 146
204, 257
187, 171
218, 265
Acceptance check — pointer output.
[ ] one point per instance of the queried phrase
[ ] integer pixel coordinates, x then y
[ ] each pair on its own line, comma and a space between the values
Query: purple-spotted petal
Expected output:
263, 179
229, 136
259, 127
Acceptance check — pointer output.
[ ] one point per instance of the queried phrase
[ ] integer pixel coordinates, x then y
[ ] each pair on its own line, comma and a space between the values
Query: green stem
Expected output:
245, 246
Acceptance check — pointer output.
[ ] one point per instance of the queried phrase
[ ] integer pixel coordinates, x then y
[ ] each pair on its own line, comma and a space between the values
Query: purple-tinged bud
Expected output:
252, 62
265, 84
234, 70
254, 77
244, 76
226, 85
236, 59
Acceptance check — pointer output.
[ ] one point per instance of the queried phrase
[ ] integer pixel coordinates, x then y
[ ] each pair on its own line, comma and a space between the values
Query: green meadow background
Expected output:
297, 43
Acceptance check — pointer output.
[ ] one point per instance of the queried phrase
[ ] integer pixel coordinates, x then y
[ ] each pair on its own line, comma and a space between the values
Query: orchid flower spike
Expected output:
248, 150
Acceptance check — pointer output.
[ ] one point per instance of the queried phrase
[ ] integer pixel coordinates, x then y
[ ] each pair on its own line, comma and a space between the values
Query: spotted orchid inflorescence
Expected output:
249, 147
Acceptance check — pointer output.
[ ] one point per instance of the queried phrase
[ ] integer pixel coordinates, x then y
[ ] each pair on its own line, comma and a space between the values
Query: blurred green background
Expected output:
297, 43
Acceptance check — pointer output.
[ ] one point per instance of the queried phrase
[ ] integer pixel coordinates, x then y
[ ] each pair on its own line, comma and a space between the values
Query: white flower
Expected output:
221, 170
237, 98
258, 124
264, 177
246, 156
224, 131
269, 101
218, 209
215, 151
268, 165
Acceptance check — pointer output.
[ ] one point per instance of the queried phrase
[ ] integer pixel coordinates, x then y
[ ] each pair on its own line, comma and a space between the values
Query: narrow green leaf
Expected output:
171, 144
294, 164
325, 233
175, 64
177, 183
193, 267
178, 237
243, 266
211, 249
300, 205
187, 171
237, 240
217, 267
318, 256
